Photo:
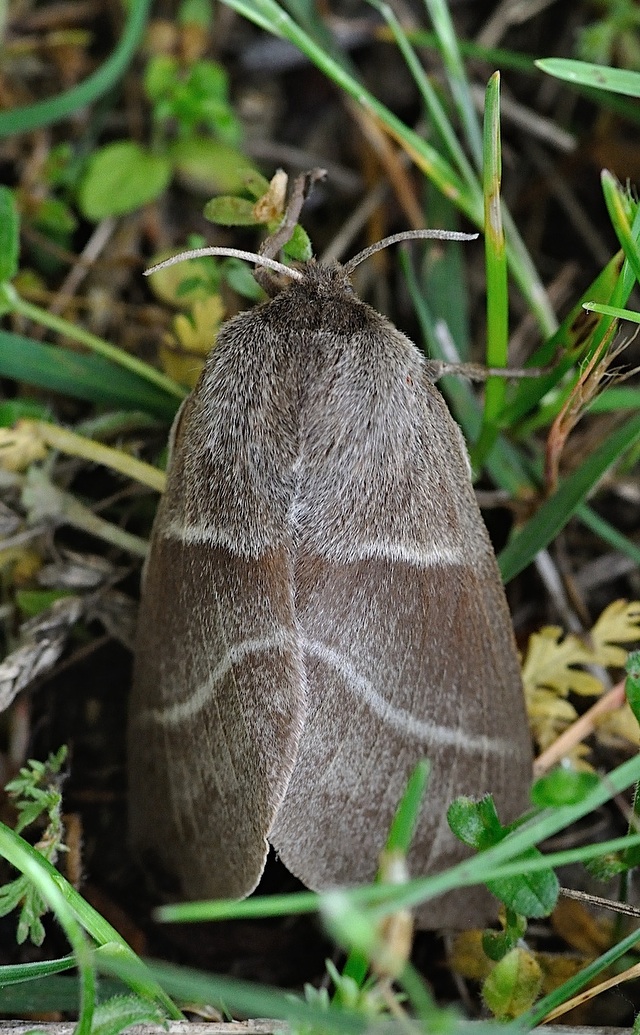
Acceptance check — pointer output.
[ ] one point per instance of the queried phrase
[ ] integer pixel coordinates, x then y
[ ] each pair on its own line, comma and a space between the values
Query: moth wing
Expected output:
408, 644
218, 697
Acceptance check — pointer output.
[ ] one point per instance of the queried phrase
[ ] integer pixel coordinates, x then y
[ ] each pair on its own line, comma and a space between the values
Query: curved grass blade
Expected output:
81, 376
567, 343
456, 74
610, 310
75, 908
43, 113
598, 77
608, 533
554, 513
496, 273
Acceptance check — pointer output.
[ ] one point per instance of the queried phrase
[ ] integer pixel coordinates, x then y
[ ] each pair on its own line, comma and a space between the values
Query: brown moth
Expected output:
321, 609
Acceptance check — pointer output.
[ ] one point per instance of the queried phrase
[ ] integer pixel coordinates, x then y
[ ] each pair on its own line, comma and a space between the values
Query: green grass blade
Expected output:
598, 77
430, 99
406, 816
456, 75
69, 905
49, 994
9, 235
563, 347
87, 377
504, 59
29, 862
443, 276
496, 273
554, 513
501, 860
504, 462
620, 208
575, 984
242, 997
612, 310
44, 113
98, 346
20, 972
608, 533
268, 15
616, 398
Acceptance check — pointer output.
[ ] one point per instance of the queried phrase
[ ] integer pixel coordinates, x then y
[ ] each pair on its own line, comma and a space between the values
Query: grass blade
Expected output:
554, 513
456, 75
87, 377
598, 77
496, 271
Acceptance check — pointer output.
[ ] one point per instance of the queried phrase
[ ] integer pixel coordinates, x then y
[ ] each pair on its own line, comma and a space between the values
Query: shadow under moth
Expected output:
321, 609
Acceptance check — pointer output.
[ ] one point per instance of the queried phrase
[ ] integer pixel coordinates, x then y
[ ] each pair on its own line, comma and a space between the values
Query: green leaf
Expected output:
161, 76
623, 214
197, 12
32, 602
230, 211
239, 277
9, 235
599, 77
632, 683
476, 823
121, 1011
209, 79
513, 984
563, 786
13, 410
11, 894
496, 944
55, 217
530, 894
209, 165
298, 248
255, 184
120, 178
48, 994
30, 925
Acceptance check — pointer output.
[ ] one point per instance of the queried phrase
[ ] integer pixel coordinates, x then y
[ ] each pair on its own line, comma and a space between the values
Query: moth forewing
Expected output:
322, 609
408, 643
217, 637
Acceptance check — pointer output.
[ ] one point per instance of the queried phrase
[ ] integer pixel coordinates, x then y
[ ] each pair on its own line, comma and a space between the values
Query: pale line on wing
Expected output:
401, 719
195, 532
332, 550
407, 553
181, 711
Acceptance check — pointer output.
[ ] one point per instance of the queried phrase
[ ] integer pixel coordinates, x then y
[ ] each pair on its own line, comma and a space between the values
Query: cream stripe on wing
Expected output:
191, 706
196, 532
400, 718
389, 550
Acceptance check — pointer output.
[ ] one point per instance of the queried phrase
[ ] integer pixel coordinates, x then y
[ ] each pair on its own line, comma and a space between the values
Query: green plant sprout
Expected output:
35, 792
195, 133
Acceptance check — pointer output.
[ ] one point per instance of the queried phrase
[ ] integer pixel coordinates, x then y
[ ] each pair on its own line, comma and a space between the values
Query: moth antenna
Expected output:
475, 372
406, 235
234, 253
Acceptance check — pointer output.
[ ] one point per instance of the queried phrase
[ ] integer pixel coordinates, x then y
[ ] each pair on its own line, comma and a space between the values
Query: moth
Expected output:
321, 609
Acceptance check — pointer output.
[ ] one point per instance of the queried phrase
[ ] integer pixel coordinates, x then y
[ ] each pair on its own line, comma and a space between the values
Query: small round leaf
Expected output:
120, 178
